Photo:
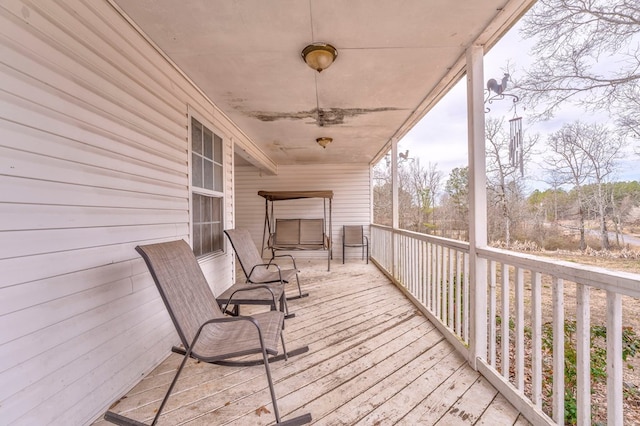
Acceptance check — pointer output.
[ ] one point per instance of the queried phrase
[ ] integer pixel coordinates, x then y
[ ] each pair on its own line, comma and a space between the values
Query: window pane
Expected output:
218, 237
217, 149
218, 181
208, 211
196, 170
196, 136
197, 238
197, 208
208, 144
207, 238
208, 174
216, 207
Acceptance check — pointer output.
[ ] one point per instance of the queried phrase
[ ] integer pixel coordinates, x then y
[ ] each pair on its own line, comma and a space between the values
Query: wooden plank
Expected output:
583, 359
436, 401
371, 391
459, 278
514, 396
453, 273
519, 329
471, 405
492, 313
536, 339
326, 389
506, 318
465, 300
558, 349
614, 359
500, 412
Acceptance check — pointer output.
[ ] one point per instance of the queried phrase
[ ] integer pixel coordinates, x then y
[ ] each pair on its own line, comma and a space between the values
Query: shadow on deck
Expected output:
373, 359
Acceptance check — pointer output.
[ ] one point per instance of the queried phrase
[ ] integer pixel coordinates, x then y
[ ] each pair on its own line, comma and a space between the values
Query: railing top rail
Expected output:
617, 281
446, 242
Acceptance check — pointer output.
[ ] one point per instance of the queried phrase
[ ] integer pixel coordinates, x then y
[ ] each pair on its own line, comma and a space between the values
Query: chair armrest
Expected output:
248, 288
221, 321
293, 260
266, 265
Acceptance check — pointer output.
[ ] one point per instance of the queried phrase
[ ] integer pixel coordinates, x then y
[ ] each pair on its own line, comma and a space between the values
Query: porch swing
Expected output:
292, 234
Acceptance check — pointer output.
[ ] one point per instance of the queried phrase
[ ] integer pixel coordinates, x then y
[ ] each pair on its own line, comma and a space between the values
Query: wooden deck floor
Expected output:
373, 360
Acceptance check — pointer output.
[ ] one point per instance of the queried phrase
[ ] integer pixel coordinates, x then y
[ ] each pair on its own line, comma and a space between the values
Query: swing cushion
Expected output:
299, 234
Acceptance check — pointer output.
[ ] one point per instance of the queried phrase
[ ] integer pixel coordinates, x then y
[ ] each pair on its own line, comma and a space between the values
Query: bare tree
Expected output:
570, 164
382, 198
417, 192
586, 153
433, 188
587, 52
419, 188
603, 150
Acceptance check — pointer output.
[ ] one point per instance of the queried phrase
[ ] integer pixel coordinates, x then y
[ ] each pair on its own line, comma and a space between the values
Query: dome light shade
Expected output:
319, 56
324, 141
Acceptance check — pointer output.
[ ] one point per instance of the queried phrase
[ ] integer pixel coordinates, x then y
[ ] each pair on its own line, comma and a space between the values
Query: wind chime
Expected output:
516, 149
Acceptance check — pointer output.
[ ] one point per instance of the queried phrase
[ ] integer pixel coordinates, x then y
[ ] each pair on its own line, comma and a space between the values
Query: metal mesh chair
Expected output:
254, 268
353, 236
206, 333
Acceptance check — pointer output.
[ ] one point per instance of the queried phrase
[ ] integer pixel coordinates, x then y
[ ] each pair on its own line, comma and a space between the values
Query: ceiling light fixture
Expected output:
319, 56
323, 142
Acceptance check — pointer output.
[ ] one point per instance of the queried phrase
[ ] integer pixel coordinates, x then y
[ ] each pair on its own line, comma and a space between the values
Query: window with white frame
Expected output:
207, 186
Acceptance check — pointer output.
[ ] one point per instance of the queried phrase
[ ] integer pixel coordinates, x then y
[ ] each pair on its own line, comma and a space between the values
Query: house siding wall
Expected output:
93, 161
351, 188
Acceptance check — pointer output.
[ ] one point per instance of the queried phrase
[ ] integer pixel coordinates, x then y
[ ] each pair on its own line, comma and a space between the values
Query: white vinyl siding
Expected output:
351, 188
93, 161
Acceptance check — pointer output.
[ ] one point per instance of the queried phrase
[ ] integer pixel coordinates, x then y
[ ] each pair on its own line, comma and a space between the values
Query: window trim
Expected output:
192, 114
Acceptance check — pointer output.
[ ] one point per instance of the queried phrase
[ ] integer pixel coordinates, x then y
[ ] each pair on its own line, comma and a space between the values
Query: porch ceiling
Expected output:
395, 59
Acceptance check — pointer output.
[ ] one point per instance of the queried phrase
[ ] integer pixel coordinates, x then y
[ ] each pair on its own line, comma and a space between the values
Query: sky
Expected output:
441, 136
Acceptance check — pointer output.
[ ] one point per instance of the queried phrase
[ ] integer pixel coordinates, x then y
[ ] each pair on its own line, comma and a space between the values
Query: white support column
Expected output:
395, 221
477, 204
395, 207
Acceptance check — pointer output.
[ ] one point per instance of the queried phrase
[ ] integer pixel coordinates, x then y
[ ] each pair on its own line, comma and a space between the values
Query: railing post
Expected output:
477, 204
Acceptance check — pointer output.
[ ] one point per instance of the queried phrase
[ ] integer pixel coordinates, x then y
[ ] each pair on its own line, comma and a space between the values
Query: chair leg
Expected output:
300, 420
300, 293
284, 348
271, 387
121, 420
284, 307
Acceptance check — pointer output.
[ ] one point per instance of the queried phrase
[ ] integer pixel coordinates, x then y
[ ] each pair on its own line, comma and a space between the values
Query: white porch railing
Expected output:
531, 292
